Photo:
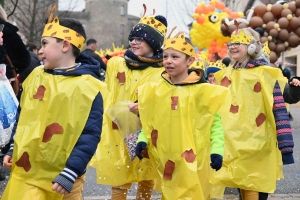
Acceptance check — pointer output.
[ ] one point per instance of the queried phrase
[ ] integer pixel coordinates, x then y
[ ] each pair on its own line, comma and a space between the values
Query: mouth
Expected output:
169, 68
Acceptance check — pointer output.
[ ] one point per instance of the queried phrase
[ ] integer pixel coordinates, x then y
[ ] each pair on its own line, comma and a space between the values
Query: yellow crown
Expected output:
54, 29
241, 38
154, 23
178, 43
199, 63
217, 64
266, 49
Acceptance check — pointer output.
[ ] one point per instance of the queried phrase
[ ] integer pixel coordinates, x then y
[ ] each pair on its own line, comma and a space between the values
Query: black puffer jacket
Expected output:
15, 49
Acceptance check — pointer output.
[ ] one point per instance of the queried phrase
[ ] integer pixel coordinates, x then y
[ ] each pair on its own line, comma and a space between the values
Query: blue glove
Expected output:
216, 161
141, 146
287, 158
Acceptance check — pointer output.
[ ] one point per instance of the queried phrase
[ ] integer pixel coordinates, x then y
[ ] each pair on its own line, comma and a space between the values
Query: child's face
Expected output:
211, 78
176, 63
51, 52
237, 51
140, 47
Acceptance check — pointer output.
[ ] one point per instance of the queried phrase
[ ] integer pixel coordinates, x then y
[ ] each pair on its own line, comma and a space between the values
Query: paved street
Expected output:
287, 189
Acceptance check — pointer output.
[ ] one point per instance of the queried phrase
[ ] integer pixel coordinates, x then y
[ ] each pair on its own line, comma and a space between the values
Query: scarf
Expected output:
135, 62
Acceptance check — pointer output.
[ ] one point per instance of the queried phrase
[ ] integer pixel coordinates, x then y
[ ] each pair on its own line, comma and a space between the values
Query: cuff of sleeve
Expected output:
288, 158
10, 152
66, 179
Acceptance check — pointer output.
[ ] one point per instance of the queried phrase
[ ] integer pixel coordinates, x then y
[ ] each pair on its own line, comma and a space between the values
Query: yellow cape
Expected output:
179, 131
252, 159
48, 129
112, 162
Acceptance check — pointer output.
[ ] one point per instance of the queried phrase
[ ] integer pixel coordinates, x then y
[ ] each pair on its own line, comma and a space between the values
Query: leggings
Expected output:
249, 195
144, 191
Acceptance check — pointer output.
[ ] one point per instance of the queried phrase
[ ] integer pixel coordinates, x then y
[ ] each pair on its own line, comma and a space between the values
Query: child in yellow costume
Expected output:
60, 119
141, 63
258, 135
181, 127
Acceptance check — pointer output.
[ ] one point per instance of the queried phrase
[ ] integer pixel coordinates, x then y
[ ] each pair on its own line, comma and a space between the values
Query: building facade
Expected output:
107, 21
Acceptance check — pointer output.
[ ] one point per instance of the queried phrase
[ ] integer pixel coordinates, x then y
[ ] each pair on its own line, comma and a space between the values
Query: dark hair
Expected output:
190, 42
76, 26
31, 46
91, 41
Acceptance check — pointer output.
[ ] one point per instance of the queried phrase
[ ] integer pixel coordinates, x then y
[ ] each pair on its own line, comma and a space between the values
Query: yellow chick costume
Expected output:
177, 122
112, 161
252, 159
47, 130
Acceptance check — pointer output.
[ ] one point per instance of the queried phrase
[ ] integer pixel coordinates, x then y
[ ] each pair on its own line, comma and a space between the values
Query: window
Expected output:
122, 10
122, 28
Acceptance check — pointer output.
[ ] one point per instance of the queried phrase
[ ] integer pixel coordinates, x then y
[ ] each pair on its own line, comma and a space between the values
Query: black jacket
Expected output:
95, 56
291, 94
34, 62
15, 49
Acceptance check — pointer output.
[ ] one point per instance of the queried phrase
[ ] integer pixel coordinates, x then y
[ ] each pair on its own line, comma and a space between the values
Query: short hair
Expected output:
30, 46
76, 26
91, 41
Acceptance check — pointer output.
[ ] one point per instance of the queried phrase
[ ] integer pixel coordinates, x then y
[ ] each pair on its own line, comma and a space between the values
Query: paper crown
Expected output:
178, 43
199, 63
241, 37
266, 49
152, 22
217, 64
54, 29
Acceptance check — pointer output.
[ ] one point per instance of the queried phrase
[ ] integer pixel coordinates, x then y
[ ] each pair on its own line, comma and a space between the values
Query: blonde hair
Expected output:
3, 14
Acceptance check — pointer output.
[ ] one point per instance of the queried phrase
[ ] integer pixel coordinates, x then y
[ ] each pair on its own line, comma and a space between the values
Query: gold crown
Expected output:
217, 64
266, 49
241, 38
199, 63
178, 43
152, 22
54, 29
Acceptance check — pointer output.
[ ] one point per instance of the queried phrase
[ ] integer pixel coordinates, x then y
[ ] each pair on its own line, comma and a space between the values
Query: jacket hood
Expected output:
88, 65
196, 76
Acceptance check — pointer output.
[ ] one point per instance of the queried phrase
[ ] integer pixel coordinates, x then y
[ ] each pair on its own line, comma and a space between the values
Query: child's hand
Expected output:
216, 161
7, 161
134, 108
59, 189
295, 82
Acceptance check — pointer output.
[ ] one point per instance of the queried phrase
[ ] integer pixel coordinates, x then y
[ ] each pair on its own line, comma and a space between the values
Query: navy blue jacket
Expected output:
90, 137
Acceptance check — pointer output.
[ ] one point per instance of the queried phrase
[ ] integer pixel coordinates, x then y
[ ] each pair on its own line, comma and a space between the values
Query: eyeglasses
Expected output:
234, 45
138, 40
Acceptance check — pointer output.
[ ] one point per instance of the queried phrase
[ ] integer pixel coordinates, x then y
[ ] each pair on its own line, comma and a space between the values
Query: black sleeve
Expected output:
291, 94
34, 62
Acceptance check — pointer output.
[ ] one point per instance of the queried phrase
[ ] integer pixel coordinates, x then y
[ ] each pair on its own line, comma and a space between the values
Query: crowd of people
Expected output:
189, 117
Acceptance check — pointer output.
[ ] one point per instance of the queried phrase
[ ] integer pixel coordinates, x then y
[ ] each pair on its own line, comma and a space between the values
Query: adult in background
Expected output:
91, 47
14, 47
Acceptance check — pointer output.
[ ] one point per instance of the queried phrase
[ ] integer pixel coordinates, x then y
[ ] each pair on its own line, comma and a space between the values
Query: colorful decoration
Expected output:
278, 24
205, 33
116, 51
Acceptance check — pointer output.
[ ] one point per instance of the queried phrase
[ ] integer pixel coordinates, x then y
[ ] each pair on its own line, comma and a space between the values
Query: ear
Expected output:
66, 46
191, 60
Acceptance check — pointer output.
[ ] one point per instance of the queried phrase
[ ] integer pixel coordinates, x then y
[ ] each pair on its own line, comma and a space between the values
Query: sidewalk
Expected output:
227, 197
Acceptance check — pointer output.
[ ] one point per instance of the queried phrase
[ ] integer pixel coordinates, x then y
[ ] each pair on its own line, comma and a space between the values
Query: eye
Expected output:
213, 18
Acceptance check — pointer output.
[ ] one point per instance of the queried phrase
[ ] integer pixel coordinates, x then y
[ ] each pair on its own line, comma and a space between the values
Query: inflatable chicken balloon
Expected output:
205, 33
